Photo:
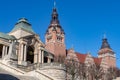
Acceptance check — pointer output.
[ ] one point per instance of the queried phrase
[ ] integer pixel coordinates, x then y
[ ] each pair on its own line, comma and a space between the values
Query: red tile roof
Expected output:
97, 60
81, 57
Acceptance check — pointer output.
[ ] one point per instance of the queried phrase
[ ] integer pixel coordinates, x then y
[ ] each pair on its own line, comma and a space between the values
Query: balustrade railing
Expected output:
34, 66
29, 67
52, 65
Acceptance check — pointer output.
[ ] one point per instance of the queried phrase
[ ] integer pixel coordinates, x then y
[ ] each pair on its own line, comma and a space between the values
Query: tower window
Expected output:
48, 39
59, 38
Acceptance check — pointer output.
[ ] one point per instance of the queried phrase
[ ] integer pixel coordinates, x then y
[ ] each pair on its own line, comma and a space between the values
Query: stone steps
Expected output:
5, 75
49, 73
44, 76
11, 69
10, 73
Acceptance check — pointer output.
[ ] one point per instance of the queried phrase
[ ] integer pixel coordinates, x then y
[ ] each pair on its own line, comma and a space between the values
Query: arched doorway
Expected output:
1, 48
30, 54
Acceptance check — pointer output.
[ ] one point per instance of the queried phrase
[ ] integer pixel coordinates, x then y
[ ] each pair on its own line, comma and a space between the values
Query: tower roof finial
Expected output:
104, 36
54, 3
72, 46
105, 43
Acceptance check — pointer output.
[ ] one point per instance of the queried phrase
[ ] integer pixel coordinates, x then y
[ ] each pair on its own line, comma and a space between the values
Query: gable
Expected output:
20, 33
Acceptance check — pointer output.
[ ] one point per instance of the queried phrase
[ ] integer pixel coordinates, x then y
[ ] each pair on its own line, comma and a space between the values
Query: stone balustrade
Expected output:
52, 65
56, 70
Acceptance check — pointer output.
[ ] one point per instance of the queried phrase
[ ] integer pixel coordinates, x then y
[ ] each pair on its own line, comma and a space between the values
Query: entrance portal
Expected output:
45, 59
1, 47
30, 54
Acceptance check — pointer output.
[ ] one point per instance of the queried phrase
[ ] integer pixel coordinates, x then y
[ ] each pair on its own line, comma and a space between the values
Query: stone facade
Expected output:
21, 51
25, 45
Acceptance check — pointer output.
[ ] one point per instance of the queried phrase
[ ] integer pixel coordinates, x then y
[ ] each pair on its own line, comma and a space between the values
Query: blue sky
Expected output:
84, 21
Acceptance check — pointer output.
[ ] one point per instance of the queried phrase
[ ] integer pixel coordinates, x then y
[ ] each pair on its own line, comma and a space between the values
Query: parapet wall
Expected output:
55, 70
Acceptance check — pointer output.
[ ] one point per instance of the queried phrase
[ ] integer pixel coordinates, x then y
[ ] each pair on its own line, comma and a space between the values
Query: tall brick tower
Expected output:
107, 53
55, 36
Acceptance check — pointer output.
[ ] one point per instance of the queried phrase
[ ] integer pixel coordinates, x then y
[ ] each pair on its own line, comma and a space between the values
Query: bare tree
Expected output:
72, 67
96, 72
82, 70
118, 72
112, 73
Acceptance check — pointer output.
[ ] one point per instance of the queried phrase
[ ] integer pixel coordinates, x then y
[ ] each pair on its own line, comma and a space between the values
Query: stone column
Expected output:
21, 52
3, 51
16, 52
25, 52
6, 48
19, 55
42, 56
35, 57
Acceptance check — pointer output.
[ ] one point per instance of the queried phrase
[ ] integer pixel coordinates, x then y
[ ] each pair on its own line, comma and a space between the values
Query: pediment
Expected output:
20, 33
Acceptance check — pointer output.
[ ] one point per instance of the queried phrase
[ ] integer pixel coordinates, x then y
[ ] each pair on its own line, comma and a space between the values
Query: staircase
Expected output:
54, 70
48, 71
11, 69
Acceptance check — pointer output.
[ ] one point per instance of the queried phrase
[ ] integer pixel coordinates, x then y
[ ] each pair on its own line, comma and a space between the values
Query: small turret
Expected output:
105, 47
107, 54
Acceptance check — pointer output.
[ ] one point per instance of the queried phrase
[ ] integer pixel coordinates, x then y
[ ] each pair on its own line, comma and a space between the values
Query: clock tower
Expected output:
55, 37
